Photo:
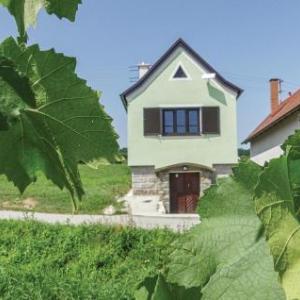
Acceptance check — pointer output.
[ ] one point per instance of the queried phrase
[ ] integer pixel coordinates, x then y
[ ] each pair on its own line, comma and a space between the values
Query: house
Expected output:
282, 121
182, 128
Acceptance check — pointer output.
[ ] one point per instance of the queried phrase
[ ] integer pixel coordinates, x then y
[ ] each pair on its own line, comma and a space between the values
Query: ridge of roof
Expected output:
285, 108
193, 53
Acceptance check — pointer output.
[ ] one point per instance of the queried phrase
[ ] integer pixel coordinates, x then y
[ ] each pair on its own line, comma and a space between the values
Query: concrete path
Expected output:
143, 204
176, 222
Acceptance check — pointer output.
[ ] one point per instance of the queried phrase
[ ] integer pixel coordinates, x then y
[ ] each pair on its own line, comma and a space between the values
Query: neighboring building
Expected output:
182, 128
283, 120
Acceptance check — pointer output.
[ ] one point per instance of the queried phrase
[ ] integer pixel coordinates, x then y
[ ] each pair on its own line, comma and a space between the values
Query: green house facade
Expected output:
182, 128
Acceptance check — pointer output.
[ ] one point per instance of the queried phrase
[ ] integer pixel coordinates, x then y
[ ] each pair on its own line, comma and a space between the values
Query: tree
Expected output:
243, 152
124, 153
50, 120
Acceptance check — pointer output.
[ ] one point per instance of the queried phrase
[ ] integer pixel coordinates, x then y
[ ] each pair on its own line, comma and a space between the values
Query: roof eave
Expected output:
184, 45
240, 92
124, 101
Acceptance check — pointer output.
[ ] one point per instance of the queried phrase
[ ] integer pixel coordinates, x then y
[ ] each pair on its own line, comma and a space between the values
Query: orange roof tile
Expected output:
285, 108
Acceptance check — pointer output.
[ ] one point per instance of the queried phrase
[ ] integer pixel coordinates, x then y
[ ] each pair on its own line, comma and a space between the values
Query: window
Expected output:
180, 73
182, 121
193, 121
168, 122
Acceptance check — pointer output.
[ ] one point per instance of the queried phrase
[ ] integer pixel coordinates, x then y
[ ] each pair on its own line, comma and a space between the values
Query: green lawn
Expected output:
102, 186
40, 261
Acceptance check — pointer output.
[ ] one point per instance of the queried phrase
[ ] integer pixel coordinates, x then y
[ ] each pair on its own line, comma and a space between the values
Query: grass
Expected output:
40, 261
102, 186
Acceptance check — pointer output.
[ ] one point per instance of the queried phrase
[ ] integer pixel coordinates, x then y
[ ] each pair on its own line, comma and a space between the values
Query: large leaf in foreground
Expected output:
292, 148
156, 288
222, 255
25, 11
58, 126
277, 205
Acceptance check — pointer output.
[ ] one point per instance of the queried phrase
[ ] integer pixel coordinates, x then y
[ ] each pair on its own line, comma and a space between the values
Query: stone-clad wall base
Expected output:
164, 190
207, 178
146, 182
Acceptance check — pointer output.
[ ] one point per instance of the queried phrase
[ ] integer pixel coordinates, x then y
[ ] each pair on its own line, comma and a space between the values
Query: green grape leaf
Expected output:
3, 122
247, 173
156, 288
25, 11
277, 205
222, 255
291, 148
53, 119
62, 8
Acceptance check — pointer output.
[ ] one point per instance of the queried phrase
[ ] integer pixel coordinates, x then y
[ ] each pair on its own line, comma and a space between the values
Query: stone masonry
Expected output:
146, 182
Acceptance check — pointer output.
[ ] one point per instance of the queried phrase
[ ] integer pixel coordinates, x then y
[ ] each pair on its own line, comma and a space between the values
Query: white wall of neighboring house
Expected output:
267, 145
267, 155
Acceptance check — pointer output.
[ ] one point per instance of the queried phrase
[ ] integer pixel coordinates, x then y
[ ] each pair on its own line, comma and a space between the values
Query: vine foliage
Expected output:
248, 243
50, 120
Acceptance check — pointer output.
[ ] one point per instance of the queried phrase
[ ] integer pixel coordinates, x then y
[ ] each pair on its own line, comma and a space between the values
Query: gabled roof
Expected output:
179, 43
285, 108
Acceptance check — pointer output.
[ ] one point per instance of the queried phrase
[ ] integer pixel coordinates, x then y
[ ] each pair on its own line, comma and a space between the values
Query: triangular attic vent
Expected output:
180, 73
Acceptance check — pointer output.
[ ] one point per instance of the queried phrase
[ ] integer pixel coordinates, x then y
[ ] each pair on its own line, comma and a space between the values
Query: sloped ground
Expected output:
103, 187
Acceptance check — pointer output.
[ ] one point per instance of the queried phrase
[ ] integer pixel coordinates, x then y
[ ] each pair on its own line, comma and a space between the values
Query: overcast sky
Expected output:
248, 42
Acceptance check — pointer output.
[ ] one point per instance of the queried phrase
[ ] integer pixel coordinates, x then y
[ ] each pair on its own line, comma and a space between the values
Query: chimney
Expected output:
143, 69
275, 89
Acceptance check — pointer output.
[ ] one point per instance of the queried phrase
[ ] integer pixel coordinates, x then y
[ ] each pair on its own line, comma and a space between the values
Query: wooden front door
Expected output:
184, 192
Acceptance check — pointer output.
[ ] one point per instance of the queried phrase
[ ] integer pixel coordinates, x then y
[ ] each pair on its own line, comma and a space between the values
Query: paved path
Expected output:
175, 222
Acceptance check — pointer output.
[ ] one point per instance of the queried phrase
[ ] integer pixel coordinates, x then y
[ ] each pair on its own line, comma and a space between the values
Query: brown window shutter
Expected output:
152, 121
211, 120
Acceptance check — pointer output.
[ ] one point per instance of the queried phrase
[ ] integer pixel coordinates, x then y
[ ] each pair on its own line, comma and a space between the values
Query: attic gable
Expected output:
179, 44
